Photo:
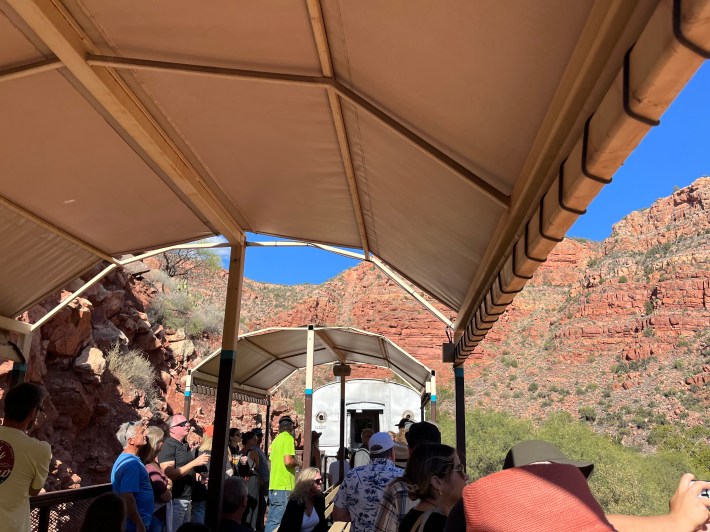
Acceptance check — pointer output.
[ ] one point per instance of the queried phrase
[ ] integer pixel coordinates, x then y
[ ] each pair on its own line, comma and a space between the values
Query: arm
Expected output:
290, 461
41, 472
132, 510
175, 473
340, 514
687, 512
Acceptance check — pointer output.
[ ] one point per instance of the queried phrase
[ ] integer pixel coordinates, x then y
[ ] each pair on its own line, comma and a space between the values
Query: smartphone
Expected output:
705, 493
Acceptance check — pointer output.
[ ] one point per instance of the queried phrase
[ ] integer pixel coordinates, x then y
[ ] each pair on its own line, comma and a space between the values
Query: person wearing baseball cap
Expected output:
541, 452
358, 498
282, 478
395, 501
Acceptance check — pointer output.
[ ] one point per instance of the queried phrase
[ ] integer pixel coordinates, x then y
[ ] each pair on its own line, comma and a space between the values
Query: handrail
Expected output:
46, 501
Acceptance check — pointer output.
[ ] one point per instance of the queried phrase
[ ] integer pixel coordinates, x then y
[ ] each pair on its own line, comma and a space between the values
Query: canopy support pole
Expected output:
341, 464
307, 442
223, 404
433, 396
460, 411
188, 394
267, 432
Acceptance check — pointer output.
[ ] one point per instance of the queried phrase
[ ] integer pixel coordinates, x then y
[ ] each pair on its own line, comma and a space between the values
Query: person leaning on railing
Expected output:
24, 461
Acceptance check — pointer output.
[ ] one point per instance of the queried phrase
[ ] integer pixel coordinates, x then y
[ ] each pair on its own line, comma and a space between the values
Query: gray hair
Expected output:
235, 491
125, 431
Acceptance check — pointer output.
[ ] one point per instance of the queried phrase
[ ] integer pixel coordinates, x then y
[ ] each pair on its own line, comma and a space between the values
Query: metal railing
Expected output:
64, 510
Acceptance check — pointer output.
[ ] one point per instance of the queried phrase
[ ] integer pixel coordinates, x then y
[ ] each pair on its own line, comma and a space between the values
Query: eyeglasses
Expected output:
460, 469
318, 481
181, 424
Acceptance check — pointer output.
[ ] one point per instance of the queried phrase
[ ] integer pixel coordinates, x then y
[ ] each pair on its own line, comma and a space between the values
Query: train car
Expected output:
372, 403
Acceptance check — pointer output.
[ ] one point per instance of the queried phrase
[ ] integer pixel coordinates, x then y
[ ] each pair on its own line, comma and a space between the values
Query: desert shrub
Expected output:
134, 372
587, 413
532, 387
623, 279
648, 307
182, 310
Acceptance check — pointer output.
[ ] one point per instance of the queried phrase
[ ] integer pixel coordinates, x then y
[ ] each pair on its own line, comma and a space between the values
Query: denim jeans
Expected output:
181, 512
198, 512
277, 506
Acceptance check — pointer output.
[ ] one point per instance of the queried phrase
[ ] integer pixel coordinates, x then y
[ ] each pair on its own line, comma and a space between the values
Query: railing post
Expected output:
43, 524
433, 396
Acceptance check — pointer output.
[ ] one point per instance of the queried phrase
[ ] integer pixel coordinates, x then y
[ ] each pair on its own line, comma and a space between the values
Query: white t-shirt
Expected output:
24, 464
334, 470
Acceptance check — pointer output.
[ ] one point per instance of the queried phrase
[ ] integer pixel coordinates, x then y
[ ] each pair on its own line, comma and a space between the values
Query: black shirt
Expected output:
178, 452
435, 523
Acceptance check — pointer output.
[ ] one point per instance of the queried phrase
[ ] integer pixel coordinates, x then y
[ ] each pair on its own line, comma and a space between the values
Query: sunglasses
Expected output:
318, 481
181, 424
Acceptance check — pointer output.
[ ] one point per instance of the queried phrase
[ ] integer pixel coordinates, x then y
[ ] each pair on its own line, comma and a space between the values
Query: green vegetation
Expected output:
624, 480
134, 373
623, 279
183, 302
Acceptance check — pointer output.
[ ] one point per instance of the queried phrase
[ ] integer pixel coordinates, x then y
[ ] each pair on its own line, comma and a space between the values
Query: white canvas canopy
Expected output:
455, 140
270, 356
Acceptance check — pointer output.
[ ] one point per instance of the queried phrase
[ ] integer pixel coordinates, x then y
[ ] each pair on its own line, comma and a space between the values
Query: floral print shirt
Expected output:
362, 489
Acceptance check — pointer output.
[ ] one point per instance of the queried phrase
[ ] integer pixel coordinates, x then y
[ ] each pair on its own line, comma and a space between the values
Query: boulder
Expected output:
90, 364
182, 349
107, 334
70, 330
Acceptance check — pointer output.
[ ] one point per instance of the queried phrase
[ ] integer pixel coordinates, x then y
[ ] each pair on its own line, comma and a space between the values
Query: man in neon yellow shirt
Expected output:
283, 472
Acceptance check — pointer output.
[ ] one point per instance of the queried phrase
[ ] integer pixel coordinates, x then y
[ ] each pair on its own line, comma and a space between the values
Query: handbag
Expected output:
418, 525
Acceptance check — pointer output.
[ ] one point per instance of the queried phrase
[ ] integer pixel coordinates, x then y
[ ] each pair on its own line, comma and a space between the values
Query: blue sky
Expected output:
675, 153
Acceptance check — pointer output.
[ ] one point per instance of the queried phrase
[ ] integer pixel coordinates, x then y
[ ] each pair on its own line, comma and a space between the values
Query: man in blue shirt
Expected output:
129, 477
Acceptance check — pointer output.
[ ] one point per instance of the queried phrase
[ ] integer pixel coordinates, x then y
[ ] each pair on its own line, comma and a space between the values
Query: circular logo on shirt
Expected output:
7, 460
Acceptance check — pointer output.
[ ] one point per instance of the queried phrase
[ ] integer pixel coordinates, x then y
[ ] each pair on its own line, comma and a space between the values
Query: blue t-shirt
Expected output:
129, 475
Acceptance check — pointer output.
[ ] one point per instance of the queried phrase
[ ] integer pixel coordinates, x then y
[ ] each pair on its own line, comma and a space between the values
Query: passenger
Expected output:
283, 472
129, 477
248, 470
361, 456
178, 463
360, 492
160, 483
107, 513
396, 501
315, 450
234, 500
235, 438
334, 467
24, 461
436, 477
557, 498
199, 487
305, 511
263, 471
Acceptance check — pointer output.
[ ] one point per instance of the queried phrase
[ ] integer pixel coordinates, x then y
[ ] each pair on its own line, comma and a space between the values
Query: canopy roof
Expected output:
455, 140
270, 356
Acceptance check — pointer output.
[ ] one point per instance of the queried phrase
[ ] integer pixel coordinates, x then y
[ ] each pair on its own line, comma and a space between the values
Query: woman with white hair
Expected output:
305, 511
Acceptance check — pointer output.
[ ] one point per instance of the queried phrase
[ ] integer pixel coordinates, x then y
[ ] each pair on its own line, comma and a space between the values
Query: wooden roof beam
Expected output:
55, 27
